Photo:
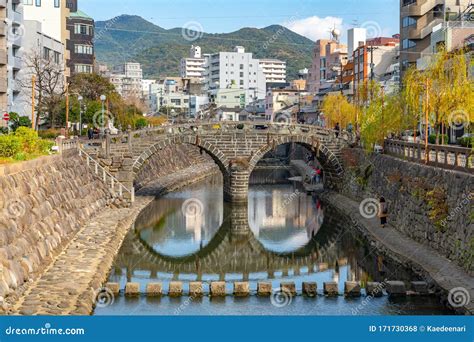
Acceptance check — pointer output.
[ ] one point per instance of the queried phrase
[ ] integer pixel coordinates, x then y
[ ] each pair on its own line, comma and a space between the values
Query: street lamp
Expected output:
103, 98
80, 98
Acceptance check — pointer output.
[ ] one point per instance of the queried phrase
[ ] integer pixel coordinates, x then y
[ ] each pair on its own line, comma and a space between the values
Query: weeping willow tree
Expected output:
443, 92
381, 115
338, 110
412, 93
450, 91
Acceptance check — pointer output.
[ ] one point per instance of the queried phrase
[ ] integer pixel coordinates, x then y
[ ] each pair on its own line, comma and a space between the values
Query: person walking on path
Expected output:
90, 133
383, 212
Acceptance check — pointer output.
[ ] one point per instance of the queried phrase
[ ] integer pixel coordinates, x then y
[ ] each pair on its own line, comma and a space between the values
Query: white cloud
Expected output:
315, 27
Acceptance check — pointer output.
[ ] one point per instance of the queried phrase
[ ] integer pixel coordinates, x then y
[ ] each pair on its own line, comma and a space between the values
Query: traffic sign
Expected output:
6, 117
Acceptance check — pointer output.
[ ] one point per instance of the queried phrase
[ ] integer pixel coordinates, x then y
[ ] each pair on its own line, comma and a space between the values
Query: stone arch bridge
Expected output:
236, 147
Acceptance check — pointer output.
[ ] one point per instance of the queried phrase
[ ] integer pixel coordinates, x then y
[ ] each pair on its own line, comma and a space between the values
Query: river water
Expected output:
282, 235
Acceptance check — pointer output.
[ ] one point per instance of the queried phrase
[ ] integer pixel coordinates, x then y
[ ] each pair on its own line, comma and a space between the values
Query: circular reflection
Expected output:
168, 228
283, 218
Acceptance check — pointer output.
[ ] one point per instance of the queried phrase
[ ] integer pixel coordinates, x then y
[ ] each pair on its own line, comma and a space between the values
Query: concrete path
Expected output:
444, 272
69, 285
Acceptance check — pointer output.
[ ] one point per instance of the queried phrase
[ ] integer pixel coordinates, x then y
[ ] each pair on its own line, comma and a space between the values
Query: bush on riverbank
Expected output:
24, 144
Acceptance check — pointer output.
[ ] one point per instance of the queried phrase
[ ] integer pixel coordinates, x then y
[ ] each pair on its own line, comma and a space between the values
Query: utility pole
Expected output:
33, 85
341, 85
371, 62
427, 109
383, 105
67, 110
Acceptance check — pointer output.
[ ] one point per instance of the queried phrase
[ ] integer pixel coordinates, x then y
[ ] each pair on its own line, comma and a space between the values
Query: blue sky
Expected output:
311, 18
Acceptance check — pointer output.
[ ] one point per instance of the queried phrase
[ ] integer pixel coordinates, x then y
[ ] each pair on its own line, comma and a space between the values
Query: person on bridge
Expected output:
337, 129
90, 133
383, 212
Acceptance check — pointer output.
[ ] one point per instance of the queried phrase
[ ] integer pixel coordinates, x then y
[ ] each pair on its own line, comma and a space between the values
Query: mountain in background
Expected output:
132, 38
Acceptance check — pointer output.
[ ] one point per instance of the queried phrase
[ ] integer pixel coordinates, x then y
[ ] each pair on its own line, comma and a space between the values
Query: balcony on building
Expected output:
3, 57
3, 28
3, 85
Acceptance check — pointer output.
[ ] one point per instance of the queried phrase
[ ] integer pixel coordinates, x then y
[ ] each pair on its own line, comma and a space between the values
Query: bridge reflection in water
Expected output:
282, 234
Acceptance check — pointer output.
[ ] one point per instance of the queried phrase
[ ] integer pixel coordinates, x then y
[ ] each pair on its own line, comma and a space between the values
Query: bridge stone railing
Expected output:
236, 147
228, 127
448, 157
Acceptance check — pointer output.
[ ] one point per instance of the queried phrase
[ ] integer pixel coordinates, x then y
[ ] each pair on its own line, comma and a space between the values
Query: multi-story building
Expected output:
329, 58
453, 34
11, 42
278, 100
238, 68
194, 65
418, 18
81, 41
36, 43
52, 14
274, 70
355, 37
371, 62
127, 79
179, 93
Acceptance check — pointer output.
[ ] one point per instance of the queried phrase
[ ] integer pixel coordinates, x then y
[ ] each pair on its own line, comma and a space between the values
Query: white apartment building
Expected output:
127, 79
239, 68
194, 65
52, 15
355, 37
35, 42
274, 70
11, 50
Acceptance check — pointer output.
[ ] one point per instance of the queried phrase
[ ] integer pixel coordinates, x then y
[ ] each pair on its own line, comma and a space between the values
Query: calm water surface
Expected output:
282, 235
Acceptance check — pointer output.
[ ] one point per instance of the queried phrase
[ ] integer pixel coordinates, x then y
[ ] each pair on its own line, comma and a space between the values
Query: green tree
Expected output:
18, 121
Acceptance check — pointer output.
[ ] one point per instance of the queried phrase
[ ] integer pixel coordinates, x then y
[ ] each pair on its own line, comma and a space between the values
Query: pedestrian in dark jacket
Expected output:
383, 212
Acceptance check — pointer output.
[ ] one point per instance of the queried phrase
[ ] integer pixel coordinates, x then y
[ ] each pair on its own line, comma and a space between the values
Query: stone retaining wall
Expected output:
43, 204
430, 205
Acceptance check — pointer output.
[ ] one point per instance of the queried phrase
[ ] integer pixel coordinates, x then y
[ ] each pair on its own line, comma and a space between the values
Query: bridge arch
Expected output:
332, 167
213, 151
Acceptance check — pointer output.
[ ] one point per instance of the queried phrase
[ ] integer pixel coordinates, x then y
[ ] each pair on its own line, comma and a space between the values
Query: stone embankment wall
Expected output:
168, 161
430, 205
43, 203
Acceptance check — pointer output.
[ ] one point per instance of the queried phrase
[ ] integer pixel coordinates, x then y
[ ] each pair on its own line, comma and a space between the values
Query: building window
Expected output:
83, 29
408, 2
38, 3
28, 2
83, 68
46, 52
83, 49
57, 57
408, 44
57, 3
408, 21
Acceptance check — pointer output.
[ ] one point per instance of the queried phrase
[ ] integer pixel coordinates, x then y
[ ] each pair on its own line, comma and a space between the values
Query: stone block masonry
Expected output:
59, 233
43, 204
430, 205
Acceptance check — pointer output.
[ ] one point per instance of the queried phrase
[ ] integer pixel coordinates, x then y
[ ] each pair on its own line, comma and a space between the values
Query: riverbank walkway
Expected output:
70, 284
443, 271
